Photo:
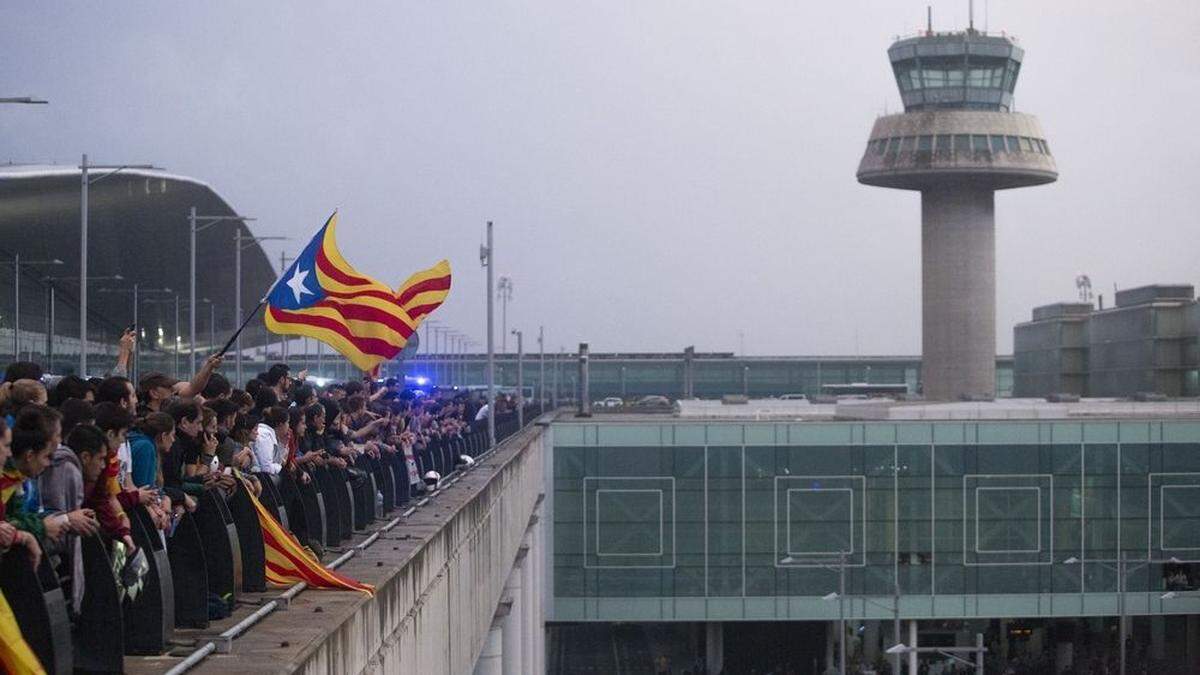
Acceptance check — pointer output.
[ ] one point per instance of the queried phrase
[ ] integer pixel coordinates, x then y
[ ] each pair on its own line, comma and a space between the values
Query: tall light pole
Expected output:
488, 260
1121, 566
84, 182
542, 369
240, 243
198, 223
138, 291
520, 378
16, 262
504, 290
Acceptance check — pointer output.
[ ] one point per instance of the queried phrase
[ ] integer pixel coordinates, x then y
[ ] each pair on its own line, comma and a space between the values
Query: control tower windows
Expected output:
1026, 146
909, 144
944, 143
925, 143
997, 144
979, 143
962, 142
1013, 144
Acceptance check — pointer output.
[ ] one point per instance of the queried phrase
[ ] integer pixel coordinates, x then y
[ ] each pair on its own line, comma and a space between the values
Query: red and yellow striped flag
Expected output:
16, 658
289, 562
321, 296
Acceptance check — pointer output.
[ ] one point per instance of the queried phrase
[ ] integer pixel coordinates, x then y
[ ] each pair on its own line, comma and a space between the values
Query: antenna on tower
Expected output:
971, 15
928, 19
1083, 284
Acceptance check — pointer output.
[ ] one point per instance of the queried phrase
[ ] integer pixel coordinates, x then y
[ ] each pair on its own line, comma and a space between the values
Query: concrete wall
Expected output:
434, 615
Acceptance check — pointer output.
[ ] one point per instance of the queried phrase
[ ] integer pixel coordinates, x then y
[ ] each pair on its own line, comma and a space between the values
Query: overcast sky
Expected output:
660, 173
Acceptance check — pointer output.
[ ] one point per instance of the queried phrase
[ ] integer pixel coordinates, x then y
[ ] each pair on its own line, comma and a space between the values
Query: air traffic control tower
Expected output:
957, 141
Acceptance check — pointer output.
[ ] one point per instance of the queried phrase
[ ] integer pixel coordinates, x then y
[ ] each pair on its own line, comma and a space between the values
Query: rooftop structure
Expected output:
957, 142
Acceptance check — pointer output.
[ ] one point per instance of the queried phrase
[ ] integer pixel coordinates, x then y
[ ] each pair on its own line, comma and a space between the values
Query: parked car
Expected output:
610, 402
793, 397
652, 403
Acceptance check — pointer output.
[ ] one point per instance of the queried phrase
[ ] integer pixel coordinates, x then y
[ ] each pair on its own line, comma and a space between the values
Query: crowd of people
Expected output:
80, 455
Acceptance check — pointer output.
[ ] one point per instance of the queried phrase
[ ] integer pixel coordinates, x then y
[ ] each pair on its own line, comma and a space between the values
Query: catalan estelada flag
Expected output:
321, 296
288, 562
16, 658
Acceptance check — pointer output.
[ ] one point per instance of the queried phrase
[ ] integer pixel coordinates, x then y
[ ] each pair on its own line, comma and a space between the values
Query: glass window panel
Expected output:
997, 144
944, 143
978, 77
880, 145
925, 143
979, 142
909, 143
1013, 144
934, 78
1026, 146
954, 78
1045, 147
962, 142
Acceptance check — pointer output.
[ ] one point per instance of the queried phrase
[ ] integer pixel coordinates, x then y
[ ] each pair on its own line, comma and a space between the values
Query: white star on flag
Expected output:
296, 283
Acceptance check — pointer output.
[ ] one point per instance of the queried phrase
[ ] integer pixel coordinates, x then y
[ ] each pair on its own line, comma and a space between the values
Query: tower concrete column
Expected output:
527, 607
491, 659
714, 647
958, 291
512, 625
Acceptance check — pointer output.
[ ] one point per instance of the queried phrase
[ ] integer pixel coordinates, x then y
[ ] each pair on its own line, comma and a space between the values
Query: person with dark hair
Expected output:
270, 448
60, 488
264, 399
116, 421
336, 392
69, 387
23, 370
304, 395
154, 389
74, 412
278, 379
153, 437
244, 401
218, 387
254, 386
35, 436
190, 445
10, 536
119, 390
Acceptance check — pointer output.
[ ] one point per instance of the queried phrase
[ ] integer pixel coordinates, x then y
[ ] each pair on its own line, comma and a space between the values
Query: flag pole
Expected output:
242, 327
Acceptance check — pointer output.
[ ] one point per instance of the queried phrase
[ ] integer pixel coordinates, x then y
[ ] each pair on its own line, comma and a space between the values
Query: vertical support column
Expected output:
539, 595
714, 647
689, 383
870, 642
585, 398
491, 659
912, 642
958, 292
527, 606
512, 625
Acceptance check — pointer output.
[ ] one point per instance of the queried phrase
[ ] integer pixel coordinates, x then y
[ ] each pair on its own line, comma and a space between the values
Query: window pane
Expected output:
893, 144
954, 78
979, 142
880, 144
943, 143
1013, 144
909, 142
1045, 147
962, 142
978, 77
934, 78
925, 143
1026, 146
997, 144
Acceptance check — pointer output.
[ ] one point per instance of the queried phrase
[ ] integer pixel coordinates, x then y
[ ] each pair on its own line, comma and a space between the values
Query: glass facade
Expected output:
703, 521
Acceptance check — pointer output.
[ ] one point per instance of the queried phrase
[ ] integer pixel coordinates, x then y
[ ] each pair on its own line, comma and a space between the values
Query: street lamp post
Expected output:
541, 369
1120, 565
84, 183
487, 259
16, 263
241, 243
50, 319
504, 290
198, 223
840, 596
520, 378
138, 291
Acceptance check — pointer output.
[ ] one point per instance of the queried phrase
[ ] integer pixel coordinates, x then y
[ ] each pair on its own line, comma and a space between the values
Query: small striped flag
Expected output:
288, 562
321, 296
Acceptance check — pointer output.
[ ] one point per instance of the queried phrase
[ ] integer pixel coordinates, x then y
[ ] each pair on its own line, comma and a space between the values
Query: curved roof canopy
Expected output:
138, 229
